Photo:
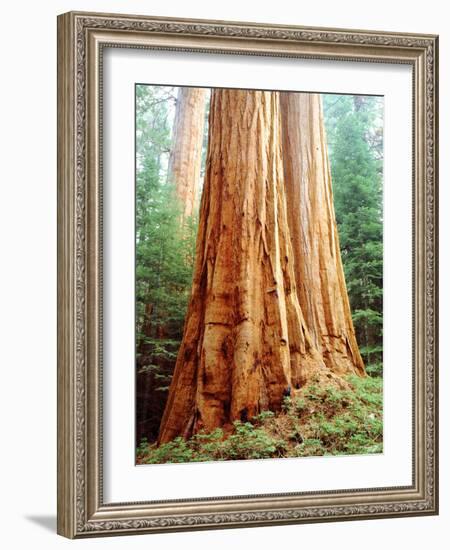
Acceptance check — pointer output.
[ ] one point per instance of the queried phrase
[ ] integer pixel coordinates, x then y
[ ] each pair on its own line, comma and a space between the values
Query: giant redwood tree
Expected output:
319, 273
186, 153
245, 342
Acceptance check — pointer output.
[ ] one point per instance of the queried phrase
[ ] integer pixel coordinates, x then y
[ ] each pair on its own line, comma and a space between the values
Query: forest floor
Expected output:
318, 421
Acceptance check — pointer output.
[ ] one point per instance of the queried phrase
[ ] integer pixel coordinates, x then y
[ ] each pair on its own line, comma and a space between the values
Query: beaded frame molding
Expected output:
81, 39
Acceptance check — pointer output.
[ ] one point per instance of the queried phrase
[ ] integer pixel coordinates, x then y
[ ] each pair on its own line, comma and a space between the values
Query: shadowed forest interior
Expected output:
259, 274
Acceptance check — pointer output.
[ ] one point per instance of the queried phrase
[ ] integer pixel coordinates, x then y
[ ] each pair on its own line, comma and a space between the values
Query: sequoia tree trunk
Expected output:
319, 273
186, 155
245, 343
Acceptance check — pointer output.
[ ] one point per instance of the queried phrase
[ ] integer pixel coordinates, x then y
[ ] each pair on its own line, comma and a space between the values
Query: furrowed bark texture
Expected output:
245, 341
186, 155
319, 273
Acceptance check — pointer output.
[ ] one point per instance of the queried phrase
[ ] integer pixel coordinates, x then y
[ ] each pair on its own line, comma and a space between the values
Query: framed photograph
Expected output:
247, 289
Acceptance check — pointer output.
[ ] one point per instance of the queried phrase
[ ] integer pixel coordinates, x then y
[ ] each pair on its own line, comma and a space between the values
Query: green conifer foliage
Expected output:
355, 137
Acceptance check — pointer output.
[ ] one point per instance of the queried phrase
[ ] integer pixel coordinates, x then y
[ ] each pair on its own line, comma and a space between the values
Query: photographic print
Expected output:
259, 274
247, 283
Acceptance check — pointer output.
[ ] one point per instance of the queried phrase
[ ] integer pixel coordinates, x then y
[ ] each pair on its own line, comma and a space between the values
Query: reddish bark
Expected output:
186, 154
319, 273
245, 342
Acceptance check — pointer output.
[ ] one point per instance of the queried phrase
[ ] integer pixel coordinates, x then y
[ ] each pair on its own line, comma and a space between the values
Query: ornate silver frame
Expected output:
81, 38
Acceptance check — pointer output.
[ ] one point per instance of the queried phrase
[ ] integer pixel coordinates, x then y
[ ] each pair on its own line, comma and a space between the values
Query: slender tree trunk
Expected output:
144, 347
319, 273
245, 342
186, 155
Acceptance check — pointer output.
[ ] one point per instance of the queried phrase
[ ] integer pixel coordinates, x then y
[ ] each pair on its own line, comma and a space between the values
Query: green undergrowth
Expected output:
320, 420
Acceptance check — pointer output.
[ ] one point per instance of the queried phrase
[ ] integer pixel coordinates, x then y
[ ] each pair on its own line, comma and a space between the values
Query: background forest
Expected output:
348, 420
